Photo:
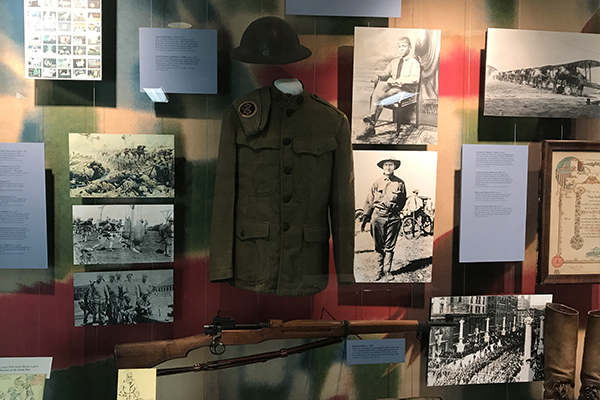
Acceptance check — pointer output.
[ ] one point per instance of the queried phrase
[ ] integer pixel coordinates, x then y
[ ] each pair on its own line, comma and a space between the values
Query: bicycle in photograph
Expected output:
417, 223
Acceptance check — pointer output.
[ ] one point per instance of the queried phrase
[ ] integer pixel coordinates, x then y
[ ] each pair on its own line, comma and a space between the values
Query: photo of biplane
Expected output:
542, 74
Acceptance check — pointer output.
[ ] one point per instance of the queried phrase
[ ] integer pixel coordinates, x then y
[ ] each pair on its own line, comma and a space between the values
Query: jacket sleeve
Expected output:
222, 221
368, 207
342, 206
401, 201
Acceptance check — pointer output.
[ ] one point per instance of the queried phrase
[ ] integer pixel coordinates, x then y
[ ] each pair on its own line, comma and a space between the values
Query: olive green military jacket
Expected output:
284, 181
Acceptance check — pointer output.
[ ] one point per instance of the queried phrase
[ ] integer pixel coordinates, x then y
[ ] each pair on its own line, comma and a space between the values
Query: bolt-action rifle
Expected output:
224, 331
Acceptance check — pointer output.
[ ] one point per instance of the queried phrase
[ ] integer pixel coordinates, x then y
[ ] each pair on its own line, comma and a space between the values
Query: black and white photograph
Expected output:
64, 50
395, 213
123, 234
49, 72
114, 165
542, 74
495, 339
395, 86
35, 72
123, 297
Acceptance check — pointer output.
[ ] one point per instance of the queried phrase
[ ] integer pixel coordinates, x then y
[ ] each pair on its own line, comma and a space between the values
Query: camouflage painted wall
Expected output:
36, 306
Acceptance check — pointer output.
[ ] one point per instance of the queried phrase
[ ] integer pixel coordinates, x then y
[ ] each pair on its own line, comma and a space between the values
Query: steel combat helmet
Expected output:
270, 40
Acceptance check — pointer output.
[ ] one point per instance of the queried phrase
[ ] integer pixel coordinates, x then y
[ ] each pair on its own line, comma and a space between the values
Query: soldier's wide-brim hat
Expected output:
390, 159
270, 40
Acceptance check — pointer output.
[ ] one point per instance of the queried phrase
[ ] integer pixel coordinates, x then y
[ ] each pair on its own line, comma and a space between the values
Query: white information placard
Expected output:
26, 365
345, 8
178, 60
379, 351
493, 203
23, 238
63, 39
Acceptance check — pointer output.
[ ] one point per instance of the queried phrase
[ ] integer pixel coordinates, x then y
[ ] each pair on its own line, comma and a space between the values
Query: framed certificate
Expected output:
570, 226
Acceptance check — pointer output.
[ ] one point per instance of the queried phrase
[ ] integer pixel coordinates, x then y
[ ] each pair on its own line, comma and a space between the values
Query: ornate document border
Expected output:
570, 225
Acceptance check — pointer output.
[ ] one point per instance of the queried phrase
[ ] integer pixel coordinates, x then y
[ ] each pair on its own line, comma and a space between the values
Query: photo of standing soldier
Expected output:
382, 209
393, 240
99, 299
145, 290
130, 288
114, 311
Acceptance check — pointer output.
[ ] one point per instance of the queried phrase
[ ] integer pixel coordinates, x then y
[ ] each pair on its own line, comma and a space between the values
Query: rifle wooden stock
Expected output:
150, 354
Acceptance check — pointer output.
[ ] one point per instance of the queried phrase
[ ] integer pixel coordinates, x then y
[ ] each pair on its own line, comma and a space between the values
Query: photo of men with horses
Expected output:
123, 234
114, 165
123, 297
542, 74
395, 86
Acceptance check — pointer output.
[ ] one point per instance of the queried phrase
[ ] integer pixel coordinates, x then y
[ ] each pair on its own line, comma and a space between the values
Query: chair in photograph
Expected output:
404, 107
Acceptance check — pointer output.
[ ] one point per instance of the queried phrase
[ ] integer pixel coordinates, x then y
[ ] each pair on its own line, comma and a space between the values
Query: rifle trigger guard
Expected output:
216, 347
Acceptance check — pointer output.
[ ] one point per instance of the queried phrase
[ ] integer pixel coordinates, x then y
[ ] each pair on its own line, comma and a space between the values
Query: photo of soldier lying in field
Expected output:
113, 165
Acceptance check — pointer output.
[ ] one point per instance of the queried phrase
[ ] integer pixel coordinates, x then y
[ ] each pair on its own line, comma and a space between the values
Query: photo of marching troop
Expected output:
496, 339
123, 297
113, 165
542, 74
123, 234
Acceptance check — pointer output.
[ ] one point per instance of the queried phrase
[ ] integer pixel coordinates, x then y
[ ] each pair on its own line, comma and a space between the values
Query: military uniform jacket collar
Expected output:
253, 109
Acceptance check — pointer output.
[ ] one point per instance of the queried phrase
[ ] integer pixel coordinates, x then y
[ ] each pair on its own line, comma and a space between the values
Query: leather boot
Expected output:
560, 351
372, 118
590, 365
369, 132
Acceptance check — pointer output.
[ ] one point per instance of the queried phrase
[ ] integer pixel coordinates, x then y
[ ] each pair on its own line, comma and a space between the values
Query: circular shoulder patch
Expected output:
247, 109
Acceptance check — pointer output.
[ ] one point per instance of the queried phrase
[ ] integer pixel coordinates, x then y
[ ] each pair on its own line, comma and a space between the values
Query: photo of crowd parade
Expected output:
496, 339
123, 297
123, 234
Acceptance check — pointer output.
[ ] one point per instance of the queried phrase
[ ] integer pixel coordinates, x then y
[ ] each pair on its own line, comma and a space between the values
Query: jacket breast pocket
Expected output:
313, 167
257, 163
